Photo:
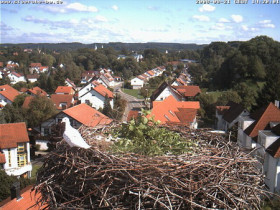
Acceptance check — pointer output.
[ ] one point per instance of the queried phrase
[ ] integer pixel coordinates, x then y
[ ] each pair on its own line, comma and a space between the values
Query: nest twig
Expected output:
216, 175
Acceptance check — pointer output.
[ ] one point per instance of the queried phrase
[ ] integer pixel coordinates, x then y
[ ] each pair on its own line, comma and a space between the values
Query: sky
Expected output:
103, 21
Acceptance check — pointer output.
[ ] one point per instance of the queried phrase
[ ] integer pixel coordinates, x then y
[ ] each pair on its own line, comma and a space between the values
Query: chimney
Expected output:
276, 103
15, 191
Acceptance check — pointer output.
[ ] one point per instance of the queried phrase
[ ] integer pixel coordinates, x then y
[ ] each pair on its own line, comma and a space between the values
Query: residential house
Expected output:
87, 76
22, 199
36, 91
34, 67
70, 83
66, 90
173, 112
96, 96
32, 77
27, 101
137, 82
14, 144
16, 77
228, 115
7, 95
249, 126
188, 92
62, 101
1, 64
79, 115
11, 65
164, 91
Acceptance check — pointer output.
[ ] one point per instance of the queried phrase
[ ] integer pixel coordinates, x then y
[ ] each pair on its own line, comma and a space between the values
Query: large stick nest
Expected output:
216, 175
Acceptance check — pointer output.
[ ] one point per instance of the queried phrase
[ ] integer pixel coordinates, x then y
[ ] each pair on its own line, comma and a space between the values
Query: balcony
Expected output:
19, 171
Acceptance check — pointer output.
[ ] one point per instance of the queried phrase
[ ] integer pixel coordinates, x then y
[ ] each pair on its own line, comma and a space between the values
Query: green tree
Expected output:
40, 109
228, 96
19, 100
248, 94
107, 109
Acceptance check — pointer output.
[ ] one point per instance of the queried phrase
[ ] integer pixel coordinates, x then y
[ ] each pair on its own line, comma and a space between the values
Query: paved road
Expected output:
132, 102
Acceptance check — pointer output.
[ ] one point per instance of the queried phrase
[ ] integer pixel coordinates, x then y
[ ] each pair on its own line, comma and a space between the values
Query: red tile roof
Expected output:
2, 158
57, 99
1, 64
101, 89
71, 82
8, 92
12, 133
37, 91
33, 65
27, 101
32, 76
172, 111
188, 91
87, 115
222, 109
64, 89
132, 114
262, 117
151, 73
28, 201
109, 77
16, 74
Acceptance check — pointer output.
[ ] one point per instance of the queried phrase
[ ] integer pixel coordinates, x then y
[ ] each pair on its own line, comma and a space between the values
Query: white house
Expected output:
228, 115
88, 87
70, 83
137, 82
32, 77
16, 77
249, 126
96, 96
7, 95
14, 145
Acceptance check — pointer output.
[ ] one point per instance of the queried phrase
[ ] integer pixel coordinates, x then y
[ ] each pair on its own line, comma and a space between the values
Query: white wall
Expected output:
96, 100
165, 93
4, 101
137, 83
85, 89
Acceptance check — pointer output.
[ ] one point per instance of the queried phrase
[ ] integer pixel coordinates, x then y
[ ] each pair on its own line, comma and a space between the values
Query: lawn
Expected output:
35, 168
133, 92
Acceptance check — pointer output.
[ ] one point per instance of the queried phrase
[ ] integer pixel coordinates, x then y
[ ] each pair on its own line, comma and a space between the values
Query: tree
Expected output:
248, 94
228, 96
107, 110
19, 100
40, 109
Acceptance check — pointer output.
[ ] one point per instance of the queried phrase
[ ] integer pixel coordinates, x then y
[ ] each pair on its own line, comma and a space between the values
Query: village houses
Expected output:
7, 95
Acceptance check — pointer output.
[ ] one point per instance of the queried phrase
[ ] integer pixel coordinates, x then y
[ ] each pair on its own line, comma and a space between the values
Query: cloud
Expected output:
220, 27
206, 8
266, 24
223, 20
247, 28
67, 8
100, 18
115, 7
237, 18
202, 18
153, 8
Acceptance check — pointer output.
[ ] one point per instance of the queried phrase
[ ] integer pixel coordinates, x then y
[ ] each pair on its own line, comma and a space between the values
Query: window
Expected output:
46, 131
167, 117
21, 154
21, 147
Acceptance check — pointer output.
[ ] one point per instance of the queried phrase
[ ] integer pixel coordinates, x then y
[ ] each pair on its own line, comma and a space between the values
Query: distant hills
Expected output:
116, 45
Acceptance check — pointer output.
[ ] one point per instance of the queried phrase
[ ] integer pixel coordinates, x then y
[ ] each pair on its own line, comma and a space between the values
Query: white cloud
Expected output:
246, 28
81, 8
266, 24
223, 20
206, 8
115, 7
201, 18
100, 18
220, 27
237, 18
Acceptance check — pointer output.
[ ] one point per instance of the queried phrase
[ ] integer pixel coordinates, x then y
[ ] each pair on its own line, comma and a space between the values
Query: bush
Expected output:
145, 137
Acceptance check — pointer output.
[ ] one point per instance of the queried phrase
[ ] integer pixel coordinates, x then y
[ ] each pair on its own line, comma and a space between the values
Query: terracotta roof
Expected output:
23, 89
87, 115
262, 117
2, 158
12, 133
27, 101
32, 76
16, 74
71, 82
274, 149
57, 99
41, 68
27, 201
95, 83
141, 77
101, 89
222, 109
172, 111
37, 91
1, 64
233, 112
8, 92
64, 89
35, 65
109, 77
132, 114
151, 73
187, 91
